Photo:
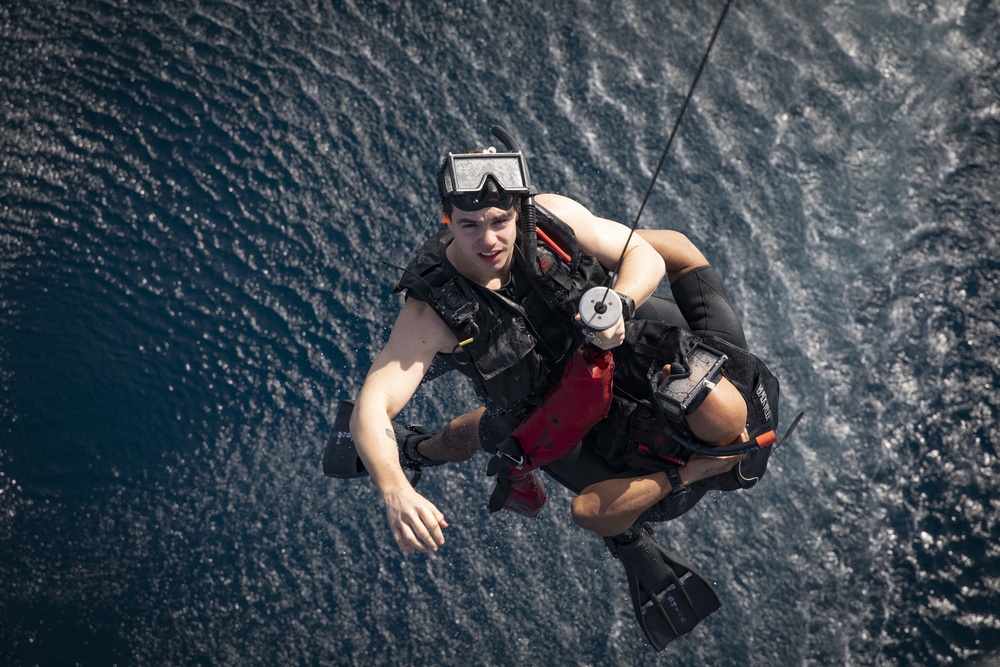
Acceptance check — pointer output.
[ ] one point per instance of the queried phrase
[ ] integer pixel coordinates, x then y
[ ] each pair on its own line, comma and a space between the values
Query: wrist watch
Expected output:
677, 487
628, 306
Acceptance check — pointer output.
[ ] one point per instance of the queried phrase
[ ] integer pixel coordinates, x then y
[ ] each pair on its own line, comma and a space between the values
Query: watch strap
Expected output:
677, 487
628, 306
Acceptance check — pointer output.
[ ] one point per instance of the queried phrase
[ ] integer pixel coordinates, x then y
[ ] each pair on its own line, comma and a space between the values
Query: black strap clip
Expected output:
508, 454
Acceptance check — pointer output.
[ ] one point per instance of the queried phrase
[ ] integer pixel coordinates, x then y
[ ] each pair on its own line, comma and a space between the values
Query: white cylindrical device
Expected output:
600, 308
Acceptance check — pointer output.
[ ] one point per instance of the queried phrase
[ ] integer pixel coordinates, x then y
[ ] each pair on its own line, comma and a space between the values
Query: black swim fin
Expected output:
341, 460
668, 595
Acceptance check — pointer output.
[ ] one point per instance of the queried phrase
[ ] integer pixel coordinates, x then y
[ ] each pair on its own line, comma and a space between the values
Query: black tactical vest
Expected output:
513, 342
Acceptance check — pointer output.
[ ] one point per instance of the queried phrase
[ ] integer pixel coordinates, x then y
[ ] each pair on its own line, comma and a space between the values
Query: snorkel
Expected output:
528, 216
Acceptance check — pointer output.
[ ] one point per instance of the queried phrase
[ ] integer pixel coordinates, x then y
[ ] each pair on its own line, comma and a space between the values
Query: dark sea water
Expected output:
195, 199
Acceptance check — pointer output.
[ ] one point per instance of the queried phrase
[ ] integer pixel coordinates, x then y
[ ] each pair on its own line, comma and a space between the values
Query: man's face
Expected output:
483, 249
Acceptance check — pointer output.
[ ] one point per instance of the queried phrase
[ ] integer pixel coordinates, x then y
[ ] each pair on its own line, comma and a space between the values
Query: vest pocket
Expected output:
503, 346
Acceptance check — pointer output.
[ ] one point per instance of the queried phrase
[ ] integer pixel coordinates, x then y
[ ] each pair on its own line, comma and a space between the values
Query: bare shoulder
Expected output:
568, 210
576, 215
422, 330
602, 238
417, 335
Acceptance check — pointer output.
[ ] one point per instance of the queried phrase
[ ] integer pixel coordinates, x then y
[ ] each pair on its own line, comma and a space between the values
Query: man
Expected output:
478, 290
483, 250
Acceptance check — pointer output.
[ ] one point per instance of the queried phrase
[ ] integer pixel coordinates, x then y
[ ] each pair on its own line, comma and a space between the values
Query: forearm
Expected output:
372, 432
641, 271
640, 268
415, 522
393, 378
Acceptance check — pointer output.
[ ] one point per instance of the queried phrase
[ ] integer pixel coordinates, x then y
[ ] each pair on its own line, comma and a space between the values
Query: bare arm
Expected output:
677, 251
416, 337
641, 268
640, 272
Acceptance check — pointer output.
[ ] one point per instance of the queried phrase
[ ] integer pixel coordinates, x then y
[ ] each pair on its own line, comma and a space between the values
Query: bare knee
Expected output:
721, 417
588, 514
586, 510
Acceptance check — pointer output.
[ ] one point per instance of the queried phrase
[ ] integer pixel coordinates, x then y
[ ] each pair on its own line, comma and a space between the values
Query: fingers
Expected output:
617, 336
428, 533
417, 537
614, 336
607, 339
419, 528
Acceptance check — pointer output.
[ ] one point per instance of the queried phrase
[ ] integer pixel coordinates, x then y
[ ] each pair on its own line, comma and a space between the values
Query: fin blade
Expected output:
340, 458
672, 604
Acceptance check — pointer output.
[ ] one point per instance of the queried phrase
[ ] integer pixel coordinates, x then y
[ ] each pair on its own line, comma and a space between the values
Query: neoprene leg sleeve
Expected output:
703, 301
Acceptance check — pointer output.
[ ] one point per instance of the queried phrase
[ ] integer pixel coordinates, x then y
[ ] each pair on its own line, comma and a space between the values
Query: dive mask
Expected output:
474, 181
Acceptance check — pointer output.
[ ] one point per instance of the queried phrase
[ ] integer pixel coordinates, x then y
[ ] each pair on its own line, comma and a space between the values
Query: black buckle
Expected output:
507, 455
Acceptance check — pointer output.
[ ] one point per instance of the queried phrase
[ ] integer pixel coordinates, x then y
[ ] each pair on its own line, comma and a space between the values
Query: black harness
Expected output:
653, 438
513, 343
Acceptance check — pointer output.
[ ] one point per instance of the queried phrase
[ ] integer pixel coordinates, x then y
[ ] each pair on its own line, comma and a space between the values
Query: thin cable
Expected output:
673, 132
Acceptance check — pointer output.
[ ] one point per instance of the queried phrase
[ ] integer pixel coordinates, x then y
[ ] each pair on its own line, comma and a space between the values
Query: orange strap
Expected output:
552, 244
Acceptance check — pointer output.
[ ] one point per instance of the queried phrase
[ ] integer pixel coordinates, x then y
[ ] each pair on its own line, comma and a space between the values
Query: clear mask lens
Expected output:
470, 171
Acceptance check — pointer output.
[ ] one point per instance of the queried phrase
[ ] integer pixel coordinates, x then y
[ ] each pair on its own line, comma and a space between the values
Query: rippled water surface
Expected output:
195, 201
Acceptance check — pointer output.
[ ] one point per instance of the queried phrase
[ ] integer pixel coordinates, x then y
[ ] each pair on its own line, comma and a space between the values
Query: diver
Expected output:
495, 295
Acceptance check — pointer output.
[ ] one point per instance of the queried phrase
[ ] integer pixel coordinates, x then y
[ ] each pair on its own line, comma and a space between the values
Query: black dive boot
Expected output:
668, 595
340, 459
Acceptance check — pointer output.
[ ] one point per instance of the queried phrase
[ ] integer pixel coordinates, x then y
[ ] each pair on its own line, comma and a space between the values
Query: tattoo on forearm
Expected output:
390, 435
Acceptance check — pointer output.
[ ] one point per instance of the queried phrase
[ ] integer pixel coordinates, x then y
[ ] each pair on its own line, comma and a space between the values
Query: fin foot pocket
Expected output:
521, 493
